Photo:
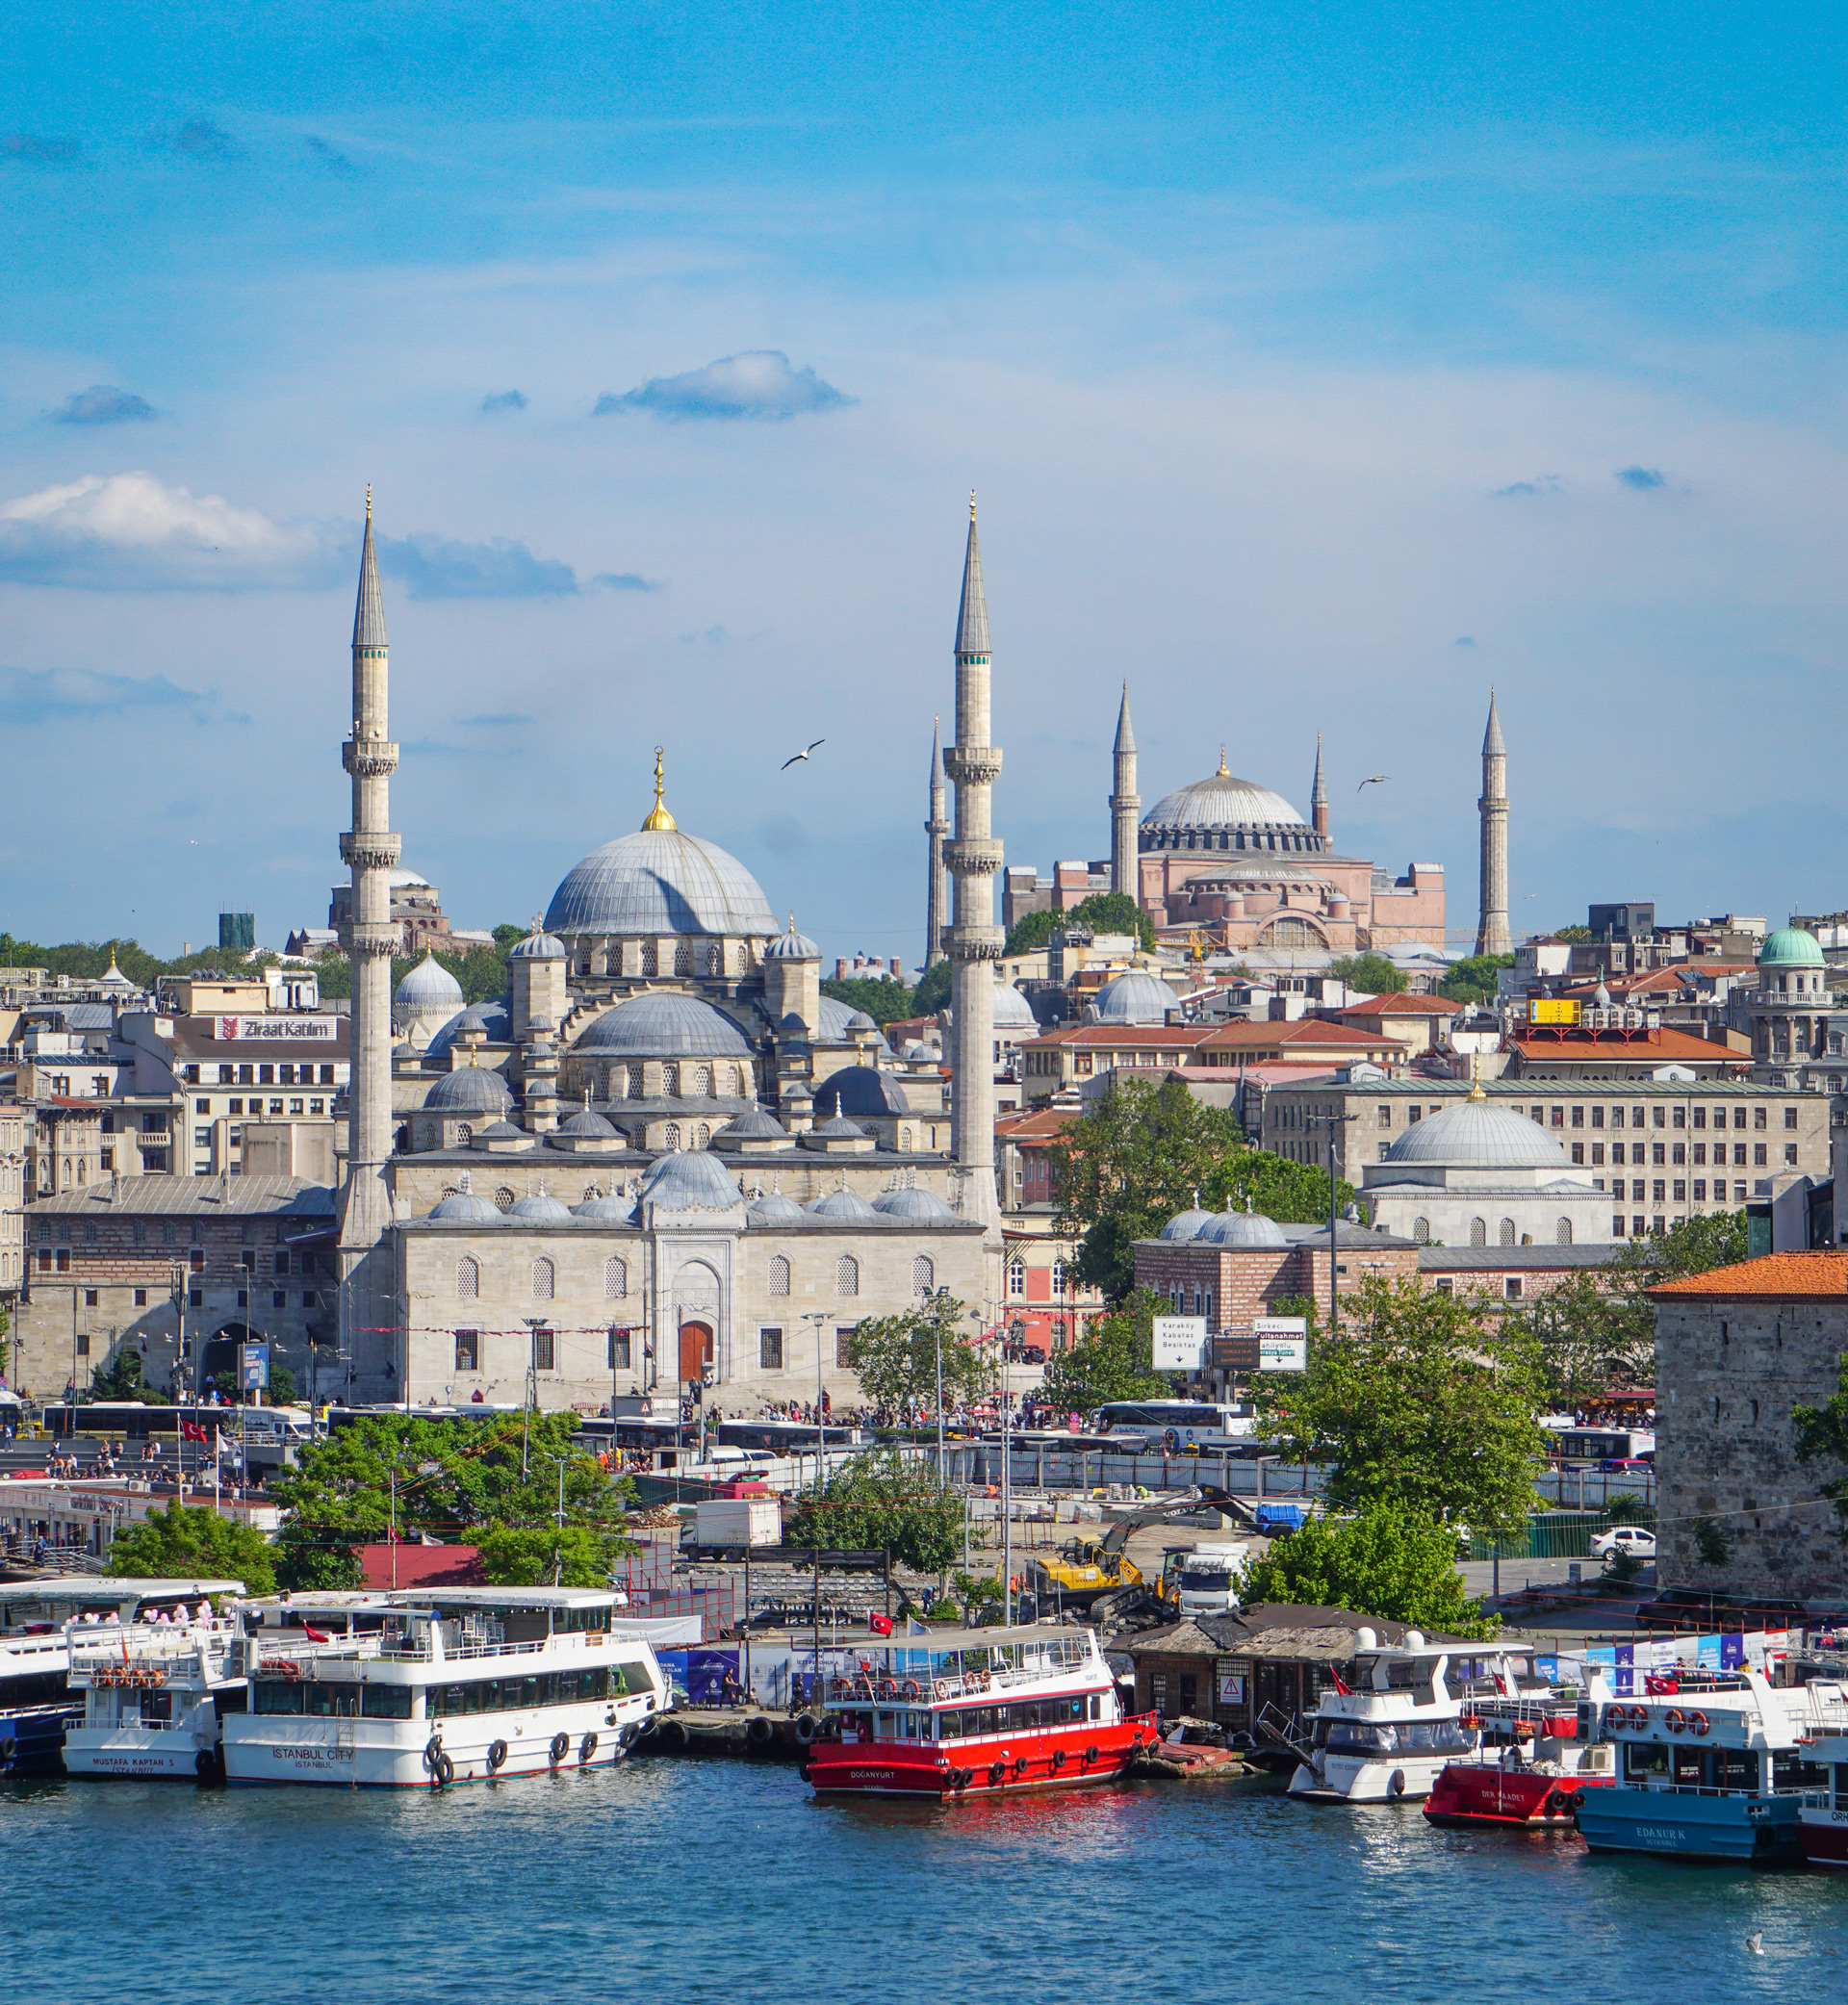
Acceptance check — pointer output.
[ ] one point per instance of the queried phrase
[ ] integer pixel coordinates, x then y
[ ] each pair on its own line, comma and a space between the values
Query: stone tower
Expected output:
1125, 805
370, 849
1319, 797
975, 939
936, 825
1492, 927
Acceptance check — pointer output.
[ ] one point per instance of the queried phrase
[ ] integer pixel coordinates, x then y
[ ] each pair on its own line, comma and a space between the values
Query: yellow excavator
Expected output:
1080, 1571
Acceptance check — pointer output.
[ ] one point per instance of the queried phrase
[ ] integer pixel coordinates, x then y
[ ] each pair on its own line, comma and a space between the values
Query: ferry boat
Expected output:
1822, 1816
1536, 1758
1715, 1770
970, 1713
38, 1622
1387, 1738
455, 1684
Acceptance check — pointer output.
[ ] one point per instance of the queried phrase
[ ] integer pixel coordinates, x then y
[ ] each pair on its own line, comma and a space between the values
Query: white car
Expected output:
1624, 1538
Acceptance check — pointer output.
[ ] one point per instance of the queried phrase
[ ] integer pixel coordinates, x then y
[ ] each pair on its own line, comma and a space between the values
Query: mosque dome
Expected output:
1240, 1228
612, 1208
842, 1203
585, 1122
490, 1019
429, 990
754, 1124
465, 1208
838, 1022
859, 1090
913, 1205
1792, 946
1011, 1010
540, 1210
690, 1180
1479, 1135
664, 1023
539, 945
400, 878
1223, 805
1186, 1225
469, 1089
1134, 998
792, 945
773, 1208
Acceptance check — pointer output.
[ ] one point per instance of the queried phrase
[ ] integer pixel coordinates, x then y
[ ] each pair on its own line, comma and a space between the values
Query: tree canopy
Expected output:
179, 1542
1472, 979
1112, 1360
1417, 1404
1103, 911
885, 1000
123, 1379
882, 1502
896, 1356
933, 991
1386, 1561
1371, 973
1822, 1436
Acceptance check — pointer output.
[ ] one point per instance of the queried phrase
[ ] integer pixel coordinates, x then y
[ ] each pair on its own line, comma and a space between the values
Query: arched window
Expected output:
905, 1142
846, 1275
670, 1135
1016, 1280
923, 1278
651, 958
1421, 1231
778, 1274
1058, 1277
467, 1278
615, 1278
542, 1280
1479, 1233
670, 1081
682, 956
702, 1136
702, 1081
504, 1198
634, 1082
1507, 1232
464, 1135
1562, 1233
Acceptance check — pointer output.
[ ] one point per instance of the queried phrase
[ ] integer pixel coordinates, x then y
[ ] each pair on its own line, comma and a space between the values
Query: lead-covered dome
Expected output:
429, 990
1134, 999
690, 1180
1240, 1228
913, 1203
491, 1018
1186, 1225
469, 1089
660, 881
1224, 803
664, 1023
859, 1090
1479, 1135
540, 1209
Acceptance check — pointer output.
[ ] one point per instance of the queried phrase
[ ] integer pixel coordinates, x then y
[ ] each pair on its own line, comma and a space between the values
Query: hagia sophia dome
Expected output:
1223, 812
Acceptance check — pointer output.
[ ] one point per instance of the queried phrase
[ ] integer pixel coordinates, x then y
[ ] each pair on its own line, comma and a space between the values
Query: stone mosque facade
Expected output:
664, 1156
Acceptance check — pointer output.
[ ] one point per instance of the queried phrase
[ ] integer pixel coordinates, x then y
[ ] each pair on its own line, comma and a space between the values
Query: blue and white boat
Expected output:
1714, 1770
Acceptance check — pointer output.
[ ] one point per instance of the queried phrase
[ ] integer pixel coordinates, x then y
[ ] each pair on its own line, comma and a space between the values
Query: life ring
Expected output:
283, 1667
560, 1747
942, 1687
586, 1748
1697, 1723
432, 1752
1638, 1717
1674, 1719
996, 1771
807, 1726
982, 1682
1468, 1719
909, 1689
496, 1756
158, 1675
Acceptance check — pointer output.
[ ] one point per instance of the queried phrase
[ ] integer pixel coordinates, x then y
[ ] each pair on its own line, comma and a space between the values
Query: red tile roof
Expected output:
1646, 1047
1405, 1004
1046, 1124
1310, 1031
1179, 1034
1819, 1274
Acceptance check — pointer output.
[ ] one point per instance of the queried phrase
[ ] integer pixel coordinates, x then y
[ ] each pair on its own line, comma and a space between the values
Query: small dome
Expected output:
756, 1125
840, 1129
1477, 1134
540, 1210
501, 1131
773, 1208
842, 1203
664, 1023
468, 1209
490, 1019
859, 1089
539, 946
1240, 1228
911, 1204
585, 1122
1792, 946
1011, 1010
469, 1089
612, 1208
792, 945
1186, 1225
1134, 998
428, 989
690, 1180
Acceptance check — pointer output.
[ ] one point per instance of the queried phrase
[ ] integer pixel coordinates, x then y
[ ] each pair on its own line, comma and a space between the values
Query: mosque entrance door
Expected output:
696, 1350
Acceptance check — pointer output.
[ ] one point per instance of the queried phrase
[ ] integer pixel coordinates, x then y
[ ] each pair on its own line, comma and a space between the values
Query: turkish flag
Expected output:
313, 1634
880, 1625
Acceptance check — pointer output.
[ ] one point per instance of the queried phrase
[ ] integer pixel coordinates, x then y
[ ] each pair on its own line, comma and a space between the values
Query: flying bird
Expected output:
1754, 1941
788, 762
1374, 781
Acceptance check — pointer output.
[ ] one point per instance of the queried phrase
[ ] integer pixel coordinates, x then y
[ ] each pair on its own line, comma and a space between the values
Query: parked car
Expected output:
1620, 1465
1624, 1538
1698, 1608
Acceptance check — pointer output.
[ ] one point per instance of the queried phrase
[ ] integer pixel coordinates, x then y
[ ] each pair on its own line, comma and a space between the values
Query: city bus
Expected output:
1180, 1425
1576, 1444
118, 1420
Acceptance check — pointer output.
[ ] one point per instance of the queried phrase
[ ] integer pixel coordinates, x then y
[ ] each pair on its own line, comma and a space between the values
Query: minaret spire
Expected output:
937, 826
1491, 934
1319, 798
1125, 869
975, 942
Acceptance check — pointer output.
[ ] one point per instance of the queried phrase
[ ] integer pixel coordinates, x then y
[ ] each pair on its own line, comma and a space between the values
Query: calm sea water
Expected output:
692, 1880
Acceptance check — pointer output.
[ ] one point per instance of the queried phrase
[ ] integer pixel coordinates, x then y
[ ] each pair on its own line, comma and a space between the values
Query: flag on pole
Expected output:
880, 1625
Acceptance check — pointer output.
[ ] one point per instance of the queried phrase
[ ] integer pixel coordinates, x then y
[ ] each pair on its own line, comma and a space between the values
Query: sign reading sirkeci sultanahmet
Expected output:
1283, 1342
276, 1029
1179, 1343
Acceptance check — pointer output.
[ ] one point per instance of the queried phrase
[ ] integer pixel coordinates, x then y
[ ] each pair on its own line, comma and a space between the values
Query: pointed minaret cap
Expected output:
1125, 731
1492, 745
368, 615
936, 756
972, 617
1318, 793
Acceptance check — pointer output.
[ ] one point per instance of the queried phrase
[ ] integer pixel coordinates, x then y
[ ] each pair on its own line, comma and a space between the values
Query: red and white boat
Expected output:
1537, 1757
977, 1712
1822, 1827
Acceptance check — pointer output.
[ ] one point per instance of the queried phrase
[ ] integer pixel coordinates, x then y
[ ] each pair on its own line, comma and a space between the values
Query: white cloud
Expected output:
759, 384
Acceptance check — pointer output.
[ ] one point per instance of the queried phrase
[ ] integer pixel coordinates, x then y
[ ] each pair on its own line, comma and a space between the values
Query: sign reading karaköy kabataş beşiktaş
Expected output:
1283, 1342
1180, 1343
276, 1029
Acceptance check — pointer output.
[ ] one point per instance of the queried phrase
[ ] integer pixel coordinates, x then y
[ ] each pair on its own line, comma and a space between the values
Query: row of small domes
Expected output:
692, 1180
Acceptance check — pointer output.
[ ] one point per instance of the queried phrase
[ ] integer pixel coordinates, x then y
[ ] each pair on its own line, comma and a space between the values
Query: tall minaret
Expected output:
1492, 927
936, 825
1125, 874
370, 850
1319, 797
975, 939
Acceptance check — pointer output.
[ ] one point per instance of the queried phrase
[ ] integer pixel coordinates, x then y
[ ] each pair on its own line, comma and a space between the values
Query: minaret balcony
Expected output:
976, 943
363, 850
376, 942
973, 766
975, 856
369, 758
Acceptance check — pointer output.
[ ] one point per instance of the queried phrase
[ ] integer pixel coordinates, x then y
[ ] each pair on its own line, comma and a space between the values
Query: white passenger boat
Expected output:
153, 1695
1387, 1738
459, 1685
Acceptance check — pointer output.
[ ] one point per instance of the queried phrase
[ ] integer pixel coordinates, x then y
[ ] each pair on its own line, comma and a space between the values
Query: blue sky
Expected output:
1316, 368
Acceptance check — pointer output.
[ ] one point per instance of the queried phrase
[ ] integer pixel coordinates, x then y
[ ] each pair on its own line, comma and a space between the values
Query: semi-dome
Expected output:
913, 1203
664, 1023
842, 1203
1479, 1135
838, 1022
859, 1090
663, 882
1240, 1228
1011, 1010
1134, 998
1792, 946
469, 1089
539, 1209
490, 1017
690, 1179
468, 1209
1186, 1225
1225, 801
772, 1208
429, 990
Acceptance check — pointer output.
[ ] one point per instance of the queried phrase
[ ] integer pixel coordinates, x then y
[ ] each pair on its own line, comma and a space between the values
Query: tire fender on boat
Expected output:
1556, 1805
1091, 1754
443, 1773
806, 1727
496, 1756
673, 1736
432, 1752
1395, 1783
560, 1747
586, 1749
996, 1771
759, 1730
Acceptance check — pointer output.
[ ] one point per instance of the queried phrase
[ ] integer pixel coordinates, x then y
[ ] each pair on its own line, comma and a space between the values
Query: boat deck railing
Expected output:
278, 1653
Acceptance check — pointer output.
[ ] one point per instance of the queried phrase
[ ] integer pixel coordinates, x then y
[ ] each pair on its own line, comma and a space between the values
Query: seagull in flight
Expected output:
788, 762
1374, 781
1754, 1941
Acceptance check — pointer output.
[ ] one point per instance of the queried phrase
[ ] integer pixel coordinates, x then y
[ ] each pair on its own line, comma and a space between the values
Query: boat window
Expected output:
1841, 1786
331, 1701
518, 1694
1095, 1710
1350, 1737
884, 1726
1689, 1765
1736, 1769
385, 1701
1645, 1760
984, 1720
627, 1679
1792, 1770
278, 1695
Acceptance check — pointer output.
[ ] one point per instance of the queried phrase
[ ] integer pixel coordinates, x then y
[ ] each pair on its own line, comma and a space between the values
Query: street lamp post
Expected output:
1334, 1123
534, 1324
819, 1318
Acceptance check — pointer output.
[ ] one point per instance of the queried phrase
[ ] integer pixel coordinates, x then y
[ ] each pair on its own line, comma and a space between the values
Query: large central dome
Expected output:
1222, 801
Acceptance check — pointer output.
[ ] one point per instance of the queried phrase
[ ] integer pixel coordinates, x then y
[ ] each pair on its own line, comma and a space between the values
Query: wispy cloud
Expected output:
505, 400
626, 582
1464, 640
758, 384
103, 403
435, 567
328, 158
1540, 484
42, 696
40, 149
1642, 478
198, 138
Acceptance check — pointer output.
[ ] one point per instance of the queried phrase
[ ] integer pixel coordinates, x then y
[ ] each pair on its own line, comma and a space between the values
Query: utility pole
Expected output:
534, 1324
819, 1318
1334, 1123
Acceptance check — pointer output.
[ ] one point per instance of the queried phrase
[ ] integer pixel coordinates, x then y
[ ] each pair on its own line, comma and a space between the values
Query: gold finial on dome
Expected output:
369, 500
659, 816
1476, 1079
1226, 771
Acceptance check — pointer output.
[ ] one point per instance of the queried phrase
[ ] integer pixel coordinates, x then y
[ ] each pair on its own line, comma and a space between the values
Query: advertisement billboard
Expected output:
253, 1367
1546, 1010
1180, 1343
1283, 1342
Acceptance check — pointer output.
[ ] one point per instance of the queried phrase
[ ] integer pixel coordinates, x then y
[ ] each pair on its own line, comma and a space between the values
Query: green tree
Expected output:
576, 1555
1125, 1169
1113, 911
123, 1379
1258, 1180
1031, 932
1472, 979
1587, 1340
1113, 1360
882, 1502
895, 1357
1822, 1436
317, 1557
1417, 1405
1371, 973
1387, 1562
507, 936
884, 999
932, 991
178, 1542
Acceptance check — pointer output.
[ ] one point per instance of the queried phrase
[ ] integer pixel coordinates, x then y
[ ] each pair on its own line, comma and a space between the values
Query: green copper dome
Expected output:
1791, 946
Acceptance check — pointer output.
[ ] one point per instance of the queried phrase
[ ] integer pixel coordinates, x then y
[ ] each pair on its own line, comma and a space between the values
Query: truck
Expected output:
737, 1521
1201, 1581
1274, 1519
